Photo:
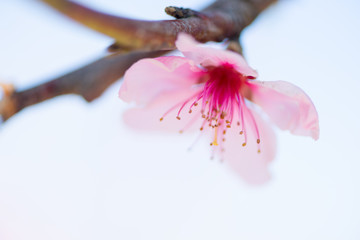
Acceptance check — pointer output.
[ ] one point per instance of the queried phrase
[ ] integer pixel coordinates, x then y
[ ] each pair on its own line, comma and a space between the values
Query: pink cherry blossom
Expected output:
214, 91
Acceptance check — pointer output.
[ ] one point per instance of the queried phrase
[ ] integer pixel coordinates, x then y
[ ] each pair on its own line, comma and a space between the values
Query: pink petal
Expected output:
252, 166
288, 106
207, 56
148, 117
147, 78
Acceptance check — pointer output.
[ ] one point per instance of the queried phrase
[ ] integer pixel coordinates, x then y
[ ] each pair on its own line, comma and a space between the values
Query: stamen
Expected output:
255, 125
177, 105
242, 106
256, 128
215, 137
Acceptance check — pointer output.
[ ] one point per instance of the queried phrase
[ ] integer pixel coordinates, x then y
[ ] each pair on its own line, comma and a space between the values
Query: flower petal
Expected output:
207, 56
288, 106
148, 117
147, 78
246, 161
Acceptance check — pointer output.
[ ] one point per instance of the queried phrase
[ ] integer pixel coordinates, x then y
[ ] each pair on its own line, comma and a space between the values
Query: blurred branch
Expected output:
136, 39
222, 19
89, 82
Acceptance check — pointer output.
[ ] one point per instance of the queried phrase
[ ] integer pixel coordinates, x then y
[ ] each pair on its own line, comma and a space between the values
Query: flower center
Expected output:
222, 102
222, 90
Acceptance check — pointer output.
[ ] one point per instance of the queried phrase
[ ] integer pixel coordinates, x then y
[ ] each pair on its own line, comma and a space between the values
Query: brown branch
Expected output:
89, 82
224, 19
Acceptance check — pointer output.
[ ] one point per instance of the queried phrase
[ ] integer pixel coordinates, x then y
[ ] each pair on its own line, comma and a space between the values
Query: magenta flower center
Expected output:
222, 90
222, 101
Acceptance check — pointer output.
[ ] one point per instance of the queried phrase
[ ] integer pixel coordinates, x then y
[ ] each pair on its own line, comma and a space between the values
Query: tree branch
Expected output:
224, 19
89, 82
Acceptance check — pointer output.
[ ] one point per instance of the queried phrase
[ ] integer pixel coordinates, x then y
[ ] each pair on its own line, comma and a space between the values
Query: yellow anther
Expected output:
161, 119
241, 132
258, 141
244, 144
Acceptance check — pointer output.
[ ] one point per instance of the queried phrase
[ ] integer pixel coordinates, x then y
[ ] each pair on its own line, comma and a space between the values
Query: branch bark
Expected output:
224, 19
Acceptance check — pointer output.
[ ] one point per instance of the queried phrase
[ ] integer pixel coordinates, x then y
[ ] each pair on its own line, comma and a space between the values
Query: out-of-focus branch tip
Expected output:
179, 13
7, 102
118, 48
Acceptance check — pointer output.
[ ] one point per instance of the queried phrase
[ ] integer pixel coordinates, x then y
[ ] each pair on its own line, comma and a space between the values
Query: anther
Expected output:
181, 131
195, 104
201, 128
224, 132
228, 126
161, 119
190, 111
241, 132
178, 117
223, 139
244, 144
258, 141
211, 144
259, 151
203, 116
238, 123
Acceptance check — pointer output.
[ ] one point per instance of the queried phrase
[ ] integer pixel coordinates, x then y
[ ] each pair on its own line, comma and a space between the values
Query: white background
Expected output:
72, 170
